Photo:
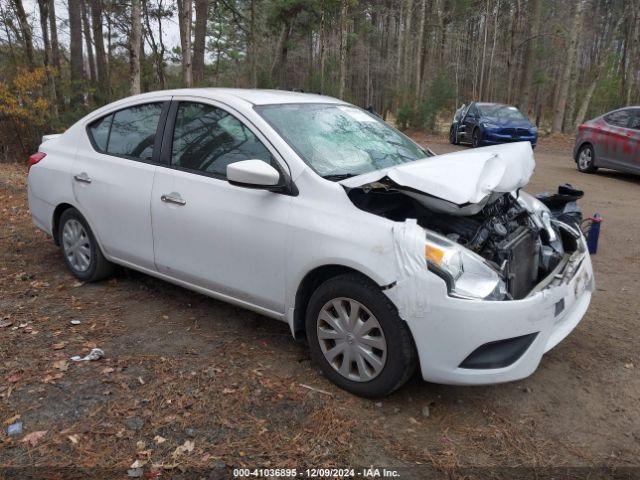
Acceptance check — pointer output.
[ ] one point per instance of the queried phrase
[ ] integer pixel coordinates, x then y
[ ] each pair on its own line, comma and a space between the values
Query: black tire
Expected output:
585, 160
453, 135
475, 138
401, 357
99, 267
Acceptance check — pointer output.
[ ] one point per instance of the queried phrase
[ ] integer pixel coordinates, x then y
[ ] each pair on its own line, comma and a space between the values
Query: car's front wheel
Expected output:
80, 249
586, 159
357, 338
453, 135
476, 138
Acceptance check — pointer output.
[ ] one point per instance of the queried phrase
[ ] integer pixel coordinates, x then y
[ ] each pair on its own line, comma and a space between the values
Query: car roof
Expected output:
253, 96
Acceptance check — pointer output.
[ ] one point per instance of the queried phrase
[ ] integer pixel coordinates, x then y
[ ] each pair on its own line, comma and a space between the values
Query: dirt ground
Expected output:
191, 387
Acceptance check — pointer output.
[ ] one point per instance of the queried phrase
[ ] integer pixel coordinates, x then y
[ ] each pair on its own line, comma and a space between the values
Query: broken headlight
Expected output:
467, 275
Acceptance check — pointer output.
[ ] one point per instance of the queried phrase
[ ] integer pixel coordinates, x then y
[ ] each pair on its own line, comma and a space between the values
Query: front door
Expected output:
207, 232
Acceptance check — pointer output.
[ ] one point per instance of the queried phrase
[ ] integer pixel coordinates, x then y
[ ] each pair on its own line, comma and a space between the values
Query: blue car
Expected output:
482, 124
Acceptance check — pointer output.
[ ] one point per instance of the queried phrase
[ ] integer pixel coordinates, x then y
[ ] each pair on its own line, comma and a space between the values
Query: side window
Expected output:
635, 119
133, 131
207, 139
619, 119
99, 132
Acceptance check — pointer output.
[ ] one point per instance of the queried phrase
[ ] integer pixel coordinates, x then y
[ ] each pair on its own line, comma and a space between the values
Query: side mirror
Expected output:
253, 174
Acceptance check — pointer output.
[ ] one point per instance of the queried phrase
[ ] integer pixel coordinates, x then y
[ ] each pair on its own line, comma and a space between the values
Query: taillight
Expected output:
35, 158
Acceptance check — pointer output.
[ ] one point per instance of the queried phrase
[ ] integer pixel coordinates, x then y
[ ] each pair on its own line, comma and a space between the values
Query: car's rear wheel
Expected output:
476, 138
80, 249
357, 338
586, 159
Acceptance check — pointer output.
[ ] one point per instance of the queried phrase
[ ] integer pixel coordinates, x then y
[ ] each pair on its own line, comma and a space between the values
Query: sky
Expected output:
170, 30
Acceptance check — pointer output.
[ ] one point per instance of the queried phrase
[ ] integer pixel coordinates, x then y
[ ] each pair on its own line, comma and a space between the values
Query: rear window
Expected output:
130, 132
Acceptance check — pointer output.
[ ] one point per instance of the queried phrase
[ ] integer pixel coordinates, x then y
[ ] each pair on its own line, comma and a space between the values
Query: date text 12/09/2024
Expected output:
369, 472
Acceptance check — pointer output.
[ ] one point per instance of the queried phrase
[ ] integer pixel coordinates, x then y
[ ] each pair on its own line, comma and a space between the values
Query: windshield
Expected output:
501, 112
340, 140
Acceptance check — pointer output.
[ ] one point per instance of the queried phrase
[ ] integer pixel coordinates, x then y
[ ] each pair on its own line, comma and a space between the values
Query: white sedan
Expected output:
384, 256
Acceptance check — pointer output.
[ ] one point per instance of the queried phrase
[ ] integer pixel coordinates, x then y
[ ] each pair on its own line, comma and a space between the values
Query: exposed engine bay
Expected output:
524, 248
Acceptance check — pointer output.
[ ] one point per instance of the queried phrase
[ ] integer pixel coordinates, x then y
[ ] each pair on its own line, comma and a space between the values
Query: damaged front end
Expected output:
485, 237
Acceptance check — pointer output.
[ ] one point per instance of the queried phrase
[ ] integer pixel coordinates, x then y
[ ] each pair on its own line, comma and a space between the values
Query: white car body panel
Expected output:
476, 174
254, 247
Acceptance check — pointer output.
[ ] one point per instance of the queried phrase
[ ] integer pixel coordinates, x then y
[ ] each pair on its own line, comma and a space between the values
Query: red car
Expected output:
610, 141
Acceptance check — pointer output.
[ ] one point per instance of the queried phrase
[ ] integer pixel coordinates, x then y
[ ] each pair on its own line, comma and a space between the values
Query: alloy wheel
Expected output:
351, 339
585, 159
76, 245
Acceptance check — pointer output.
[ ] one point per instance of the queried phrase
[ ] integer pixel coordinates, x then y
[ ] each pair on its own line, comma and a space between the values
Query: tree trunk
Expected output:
406, 76
484, 51
134, 46
25, 30
529, 57
102, 93
565, 79
75, 53
43, 6
55, 53
253, 47
184, 22
343, 49
322, 46
423, 14
200, 31
87, 38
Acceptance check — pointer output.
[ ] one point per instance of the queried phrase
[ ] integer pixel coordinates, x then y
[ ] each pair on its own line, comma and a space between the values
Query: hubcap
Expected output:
76, 245
584, 160
351, 339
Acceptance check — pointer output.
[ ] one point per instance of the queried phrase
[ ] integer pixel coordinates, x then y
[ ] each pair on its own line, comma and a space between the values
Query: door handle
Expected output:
83, 177
173, 198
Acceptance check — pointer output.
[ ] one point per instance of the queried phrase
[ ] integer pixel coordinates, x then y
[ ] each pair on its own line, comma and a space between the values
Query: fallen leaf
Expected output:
75, 438
140, 444
138, 464
108, 370
58, 346
228, 391
52, 377
628, 366
62, 365
186, 447
158, 439
11, 420
34, 437
14, 378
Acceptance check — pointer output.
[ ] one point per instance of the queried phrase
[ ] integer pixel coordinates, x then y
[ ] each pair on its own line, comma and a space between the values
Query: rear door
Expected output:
225, 238
113, 176
616, 140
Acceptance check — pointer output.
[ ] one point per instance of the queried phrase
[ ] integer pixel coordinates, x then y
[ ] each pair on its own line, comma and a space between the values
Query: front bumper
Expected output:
451, 328
495, 138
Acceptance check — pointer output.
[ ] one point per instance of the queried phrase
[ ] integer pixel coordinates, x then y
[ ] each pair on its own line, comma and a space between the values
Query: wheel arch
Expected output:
309, 283
580, 147
55, 221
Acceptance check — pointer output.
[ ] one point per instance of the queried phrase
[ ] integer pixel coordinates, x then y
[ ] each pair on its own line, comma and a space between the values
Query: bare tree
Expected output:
343, 48
25, 30
75, 53
102, 93
135, 40
565, 79
43, 7
86, 29
184, 22
200, 30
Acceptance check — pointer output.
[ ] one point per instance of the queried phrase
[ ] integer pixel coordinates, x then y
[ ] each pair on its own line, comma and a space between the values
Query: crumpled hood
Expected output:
460, 178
